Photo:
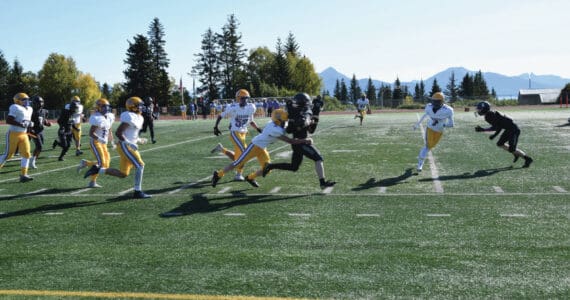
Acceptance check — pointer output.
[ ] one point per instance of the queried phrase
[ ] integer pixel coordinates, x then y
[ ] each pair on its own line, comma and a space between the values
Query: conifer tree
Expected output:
282, 72
371, 91
451, 90
435, 87
354, 90
466, 86
207, 64
480, 86
343, 91
160, 82
140, 66
336, 91
4, 73
231, 57
397, 93
291, 45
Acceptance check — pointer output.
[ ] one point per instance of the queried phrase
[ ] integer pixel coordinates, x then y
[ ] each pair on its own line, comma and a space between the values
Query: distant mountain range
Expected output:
505, 86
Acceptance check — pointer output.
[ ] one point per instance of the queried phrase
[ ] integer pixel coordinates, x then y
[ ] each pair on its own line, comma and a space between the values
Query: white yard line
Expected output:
275, 190
224, 190
498, 189
80, 191
382, 190
559, 189
437, 186
126, 191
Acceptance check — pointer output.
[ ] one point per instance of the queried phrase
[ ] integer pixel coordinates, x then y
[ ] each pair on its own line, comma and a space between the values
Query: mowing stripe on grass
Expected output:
118, 295
498, 189
559, 189
437, 186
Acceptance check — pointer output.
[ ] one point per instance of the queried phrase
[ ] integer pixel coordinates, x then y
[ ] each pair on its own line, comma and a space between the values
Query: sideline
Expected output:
114, 295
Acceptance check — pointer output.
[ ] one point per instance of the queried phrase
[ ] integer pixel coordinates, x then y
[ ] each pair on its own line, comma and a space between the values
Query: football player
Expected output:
362, 105
20, 121
39, 118
129, 156
240, 115
64, 134
77, 117
440, 116
510, 134
302, 122
274, 130
149, 116
101, 122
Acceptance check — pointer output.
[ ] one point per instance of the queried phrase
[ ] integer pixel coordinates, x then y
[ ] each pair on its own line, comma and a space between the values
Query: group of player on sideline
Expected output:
27, 119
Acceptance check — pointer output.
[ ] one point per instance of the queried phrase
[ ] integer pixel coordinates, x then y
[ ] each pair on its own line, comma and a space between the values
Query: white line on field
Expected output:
367, 215
53, 214
328, 190
111, 213
80, 191
438, 215
559, 189
298, 215
437, 186
382, 190
227, 188
275, 190
234, 214
126, 191
498, 189
36, 192
189, 185
514, 215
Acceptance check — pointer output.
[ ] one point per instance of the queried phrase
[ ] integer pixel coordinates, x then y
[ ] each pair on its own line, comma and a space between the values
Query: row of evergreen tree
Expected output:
470, 87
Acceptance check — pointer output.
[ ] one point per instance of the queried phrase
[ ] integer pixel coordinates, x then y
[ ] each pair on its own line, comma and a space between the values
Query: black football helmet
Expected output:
148, 101
37, 102
483, 107
302, 100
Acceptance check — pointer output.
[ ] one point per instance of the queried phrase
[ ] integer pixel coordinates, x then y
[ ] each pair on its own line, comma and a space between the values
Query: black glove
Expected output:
479, 128
493, 136
217, 131
259, 130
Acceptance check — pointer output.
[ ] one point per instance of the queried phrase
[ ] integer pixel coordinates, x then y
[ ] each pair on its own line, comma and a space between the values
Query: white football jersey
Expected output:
240, 117
443, 117
135, 122
20, 113
76, 116
362, 103
103, 124
268, 136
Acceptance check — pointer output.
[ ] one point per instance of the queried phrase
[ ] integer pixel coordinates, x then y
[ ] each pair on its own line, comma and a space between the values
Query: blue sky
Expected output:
376, 38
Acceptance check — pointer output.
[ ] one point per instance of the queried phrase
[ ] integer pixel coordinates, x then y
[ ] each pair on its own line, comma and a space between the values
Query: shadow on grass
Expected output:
201, 204
467, 175
32, 194
47, 208
391, 181
563, 125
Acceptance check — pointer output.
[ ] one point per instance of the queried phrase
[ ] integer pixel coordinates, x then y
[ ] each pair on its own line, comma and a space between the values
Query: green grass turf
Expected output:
382, 232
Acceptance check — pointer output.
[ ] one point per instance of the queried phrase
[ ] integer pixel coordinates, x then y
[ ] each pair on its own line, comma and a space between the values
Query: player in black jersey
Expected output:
510, 134
303, 119
39, 117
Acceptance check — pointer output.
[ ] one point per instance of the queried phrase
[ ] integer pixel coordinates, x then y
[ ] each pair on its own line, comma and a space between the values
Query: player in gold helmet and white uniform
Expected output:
129, 156
440, 116
77, 116
20, 119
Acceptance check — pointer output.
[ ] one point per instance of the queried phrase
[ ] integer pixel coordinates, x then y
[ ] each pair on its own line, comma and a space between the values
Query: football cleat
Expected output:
327, 184
420, 164
82, 164
515, 159
78, 152
141, 195
215, 178
252, 182
54, 144
25, 178
239, 177
527, 162
93, 184
218, 148
92, 171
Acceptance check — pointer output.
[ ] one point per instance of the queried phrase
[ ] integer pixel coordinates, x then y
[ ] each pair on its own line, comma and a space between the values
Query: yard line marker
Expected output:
234, 214
172, 214
498, 189
298, 215
382, 190
367, 215
80, 191
53, 213
437, 186
126, 191
275, 190
559, 189
189, 185
438, 215
343, 151
112, 213
328, 190
35, 192
227, 188
514, 215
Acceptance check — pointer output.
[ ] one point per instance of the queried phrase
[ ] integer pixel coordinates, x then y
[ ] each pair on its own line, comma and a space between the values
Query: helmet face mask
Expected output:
483, 107
437, 99
102, 105
76, 99
37, 102
22, 99
302, 100
148, 101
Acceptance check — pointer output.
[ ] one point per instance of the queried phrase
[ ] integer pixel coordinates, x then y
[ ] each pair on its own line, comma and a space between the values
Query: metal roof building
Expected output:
538, 96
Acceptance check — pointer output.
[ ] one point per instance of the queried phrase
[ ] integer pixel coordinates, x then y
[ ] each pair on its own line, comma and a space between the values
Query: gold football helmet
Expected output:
22, 99
279, 116
134, 104
102, 105
75, 99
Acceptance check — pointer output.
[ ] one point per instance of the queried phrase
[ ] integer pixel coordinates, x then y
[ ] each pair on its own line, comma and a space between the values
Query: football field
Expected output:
472, 224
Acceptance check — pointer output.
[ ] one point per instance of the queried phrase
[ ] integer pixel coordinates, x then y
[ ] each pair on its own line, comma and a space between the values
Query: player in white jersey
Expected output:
20, 120
101, 122
240, 115
440, 116
362, 105
272, 132
76, 118
128, 135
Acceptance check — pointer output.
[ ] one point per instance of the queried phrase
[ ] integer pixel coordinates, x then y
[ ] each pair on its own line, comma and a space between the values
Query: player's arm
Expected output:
254, 125
450, 122
291, 141
216, 129
420, 121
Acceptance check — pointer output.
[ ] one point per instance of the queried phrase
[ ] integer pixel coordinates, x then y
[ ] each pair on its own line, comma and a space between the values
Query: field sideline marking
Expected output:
115, 295
438, 187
